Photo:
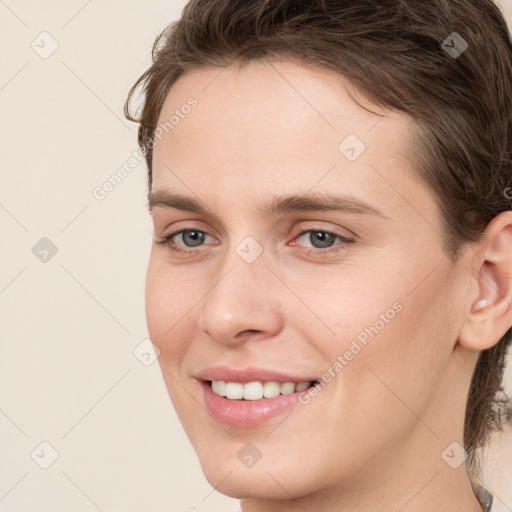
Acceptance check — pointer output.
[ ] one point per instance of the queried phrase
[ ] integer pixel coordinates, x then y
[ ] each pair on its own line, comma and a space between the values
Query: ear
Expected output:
489, 314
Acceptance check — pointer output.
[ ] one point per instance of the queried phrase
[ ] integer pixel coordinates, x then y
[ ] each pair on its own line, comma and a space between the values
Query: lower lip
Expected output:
246, 413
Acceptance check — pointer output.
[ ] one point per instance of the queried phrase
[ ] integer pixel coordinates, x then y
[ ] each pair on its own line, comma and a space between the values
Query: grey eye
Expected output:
324, 239
194, 237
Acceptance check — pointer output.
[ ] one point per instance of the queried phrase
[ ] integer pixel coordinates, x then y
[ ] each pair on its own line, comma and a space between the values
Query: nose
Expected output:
243, 302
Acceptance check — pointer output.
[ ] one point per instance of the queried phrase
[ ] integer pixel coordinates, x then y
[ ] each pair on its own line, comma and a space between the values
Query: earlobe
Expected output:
490, 315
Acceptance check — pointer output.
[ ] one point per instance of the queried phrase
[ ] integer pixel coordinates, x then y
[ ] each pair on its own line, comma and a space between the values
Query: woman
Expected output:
330, 283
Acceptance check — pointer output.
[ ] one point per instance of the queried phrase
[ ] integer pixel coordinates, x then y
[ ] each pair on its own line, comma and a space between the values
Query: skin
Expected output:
372, 438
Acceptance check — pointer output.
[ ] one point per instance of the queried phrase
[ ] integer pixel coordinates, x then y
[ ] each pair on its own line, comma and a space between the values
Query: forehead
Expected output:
258, 98
267, 126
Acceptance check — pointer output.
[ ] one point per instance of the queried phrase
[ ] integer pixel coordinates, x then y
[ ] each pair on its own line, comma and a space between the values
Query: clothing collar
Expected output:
483, 496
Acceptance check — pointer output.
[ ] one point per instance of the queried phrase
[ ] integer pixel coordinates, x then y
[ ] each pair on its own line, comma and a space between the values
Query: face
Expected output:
262, 282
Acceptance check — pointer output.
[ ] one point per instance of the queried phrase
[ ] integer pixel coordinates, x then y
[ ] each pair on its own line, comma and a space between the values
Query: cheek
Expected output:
380, 343
169, 317
342, 306
160, 304
397, 372
169, 307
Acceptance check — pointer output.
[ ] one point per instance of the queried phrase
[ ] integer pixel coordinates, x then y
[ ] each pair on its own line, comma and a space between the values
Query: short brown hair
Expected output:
400, 55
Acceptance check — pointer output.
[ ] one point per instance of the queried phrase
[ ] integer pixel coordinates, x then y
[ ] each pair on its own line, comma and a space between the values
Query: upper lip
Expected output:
248, 374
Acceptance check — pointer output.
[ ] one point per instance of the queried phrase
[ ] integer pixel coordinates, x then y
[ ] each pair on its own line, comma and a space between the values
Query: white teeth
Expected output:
256, 390
234, 390
301, 386
287, 388
253, 391
222, 388
271, 389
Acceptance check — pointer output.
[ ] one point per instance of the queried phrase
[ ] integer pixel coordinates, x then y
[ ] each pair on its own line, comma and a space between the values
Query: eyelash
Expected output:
167, 240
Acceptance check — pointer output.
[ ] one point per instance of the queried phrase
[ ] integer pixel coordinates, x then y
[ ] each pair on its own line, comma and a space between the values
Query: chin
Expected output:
242, 484
265, 480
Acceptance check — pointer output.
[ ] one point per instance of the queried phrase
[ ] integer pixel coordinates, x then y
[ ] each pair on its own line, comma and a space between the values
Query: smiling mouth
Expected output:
257, 390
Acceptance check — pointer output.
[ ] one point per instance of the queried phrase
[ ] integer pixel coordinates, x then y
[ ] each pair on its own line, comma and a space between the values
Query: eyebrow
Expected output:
310, 202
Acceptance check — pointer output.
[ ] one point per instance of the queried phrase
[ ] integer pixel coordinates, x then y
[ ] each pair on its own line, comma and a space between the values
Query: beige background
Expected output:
69, 326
